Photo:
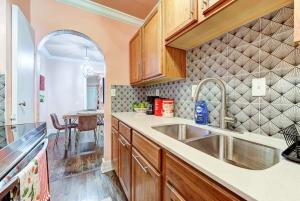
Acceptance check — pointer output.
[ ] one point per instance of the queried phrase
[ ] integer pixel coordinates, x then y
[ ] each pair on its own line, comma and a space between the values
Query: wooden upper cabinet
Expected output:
146, 181
210, 7
135, 48
159, 63
297, 21
217, 17
152, 45
177, 15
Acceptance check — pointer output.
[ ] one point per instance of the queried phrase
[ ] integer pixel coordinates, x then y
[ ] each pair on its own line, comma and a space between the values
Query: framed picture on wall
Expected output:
42, 83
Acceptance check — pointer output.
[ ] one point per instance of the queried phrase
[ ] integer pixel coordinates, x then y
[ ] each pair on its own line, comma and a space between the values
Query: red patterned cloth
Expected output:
43, 176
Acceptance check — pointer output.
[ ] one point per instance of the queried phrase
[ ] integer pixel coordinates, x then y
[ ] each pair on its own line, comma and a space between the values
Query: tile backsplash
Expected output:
2, 111
2, 99
261, 48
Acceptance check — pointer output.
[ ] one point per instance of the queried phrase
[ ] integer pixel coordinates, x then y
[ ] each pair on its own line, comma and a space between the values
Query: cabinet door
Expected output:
152, 45
146, 181
115, 150
125, 165
172, 194
192, 184
135, 58
297, 21
177, 15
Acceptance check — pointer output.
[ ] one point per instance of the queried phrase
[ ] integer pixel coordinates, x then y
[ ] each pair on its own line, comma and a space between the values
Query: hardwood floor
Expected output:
76, 175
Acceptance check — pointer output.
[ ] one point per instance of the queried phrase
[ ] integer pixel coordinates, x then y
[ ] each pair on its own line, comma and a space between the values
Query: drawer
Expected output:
148, 149
125, 131
115, 123
193, 185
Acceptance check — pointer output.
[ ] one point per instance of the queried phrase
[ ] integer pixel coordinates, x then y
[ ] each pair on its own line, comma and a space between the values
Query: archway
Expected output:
70, 90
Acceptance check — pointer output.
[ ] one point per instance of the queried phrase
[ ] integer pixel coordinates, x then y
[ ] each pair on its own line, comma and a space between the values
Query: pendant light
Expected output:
86, 67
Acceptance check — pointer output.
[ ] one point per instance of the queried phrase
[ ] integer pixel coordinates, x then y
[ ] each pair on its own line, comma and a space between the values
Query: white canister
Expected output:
168, 108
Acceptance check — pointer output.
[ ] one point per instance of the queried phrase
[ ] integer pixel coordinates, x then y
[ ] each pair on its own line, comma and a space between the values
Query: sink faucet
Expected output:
223, 118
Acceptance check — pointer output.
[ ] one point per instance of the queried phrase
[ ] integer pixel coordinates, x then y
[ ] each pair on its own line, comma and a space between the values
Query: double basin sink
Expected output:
235, 151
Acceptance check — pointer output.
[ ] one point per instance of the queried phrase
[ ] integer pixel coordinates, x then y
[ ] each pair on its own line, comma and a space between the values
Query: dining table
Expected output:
72, 117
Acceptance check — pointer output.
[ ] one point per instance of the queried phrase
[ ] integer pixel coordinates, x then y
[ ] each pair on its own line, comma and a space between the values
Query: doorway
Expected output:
23, 63
71, 70
95, 92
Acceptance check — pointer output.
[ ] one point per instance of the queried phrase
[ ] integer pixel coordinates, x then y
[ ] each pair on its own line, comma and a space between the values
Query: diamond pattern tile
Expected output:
2, 99
261, 48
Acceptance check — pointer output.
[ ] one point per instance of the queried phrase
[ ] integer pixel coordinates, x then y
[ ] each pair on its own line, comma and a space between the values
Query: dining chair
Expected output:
86, 123
59, 127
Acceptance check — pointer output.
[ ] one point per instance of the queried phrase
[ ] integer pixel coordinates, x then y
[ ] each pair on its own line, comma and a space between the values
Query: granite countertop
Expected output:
280, 182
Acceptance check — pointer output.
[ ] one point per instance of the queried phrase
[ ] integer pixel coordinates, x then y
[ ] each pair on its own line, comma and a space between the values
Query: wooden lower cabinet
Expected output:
125, 165
146, 181
183, 182
115, 150
143, 178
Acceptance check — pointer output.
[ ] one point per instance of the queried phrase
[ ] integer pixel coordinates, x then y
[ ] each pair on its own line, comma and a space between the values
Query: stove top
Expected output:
11, 133
17, 141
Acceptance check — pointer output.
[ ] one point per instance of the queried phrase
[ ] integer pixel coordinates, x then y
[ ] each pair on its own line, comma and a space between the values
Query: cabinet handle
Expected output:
122, 143
204, 4
145, 168
192, 7
174, 193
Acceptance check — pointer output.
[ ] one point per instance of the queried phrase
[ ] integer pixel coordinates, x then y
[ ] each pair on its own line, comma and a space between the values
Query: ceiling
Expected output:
136, 8
70, 46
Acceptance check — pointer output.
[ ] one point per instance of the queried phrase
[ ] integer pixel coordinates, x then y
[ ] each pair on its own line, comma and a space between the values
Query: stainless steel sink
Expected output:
238, 152
183, 132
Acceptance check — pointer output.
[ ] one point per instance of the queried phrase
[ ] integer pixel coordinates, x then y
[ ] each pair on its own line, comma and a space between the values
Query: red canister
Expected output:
168, 108
158, 107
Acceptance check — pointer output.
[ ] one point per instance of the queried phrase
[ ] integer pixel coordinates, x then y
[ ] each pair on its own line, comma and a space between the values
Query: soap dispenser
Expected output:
201, 112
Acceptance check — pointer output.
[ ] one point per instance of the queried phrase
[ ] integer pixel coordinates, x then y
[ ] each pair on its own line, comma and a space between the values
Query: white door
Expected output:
23, 52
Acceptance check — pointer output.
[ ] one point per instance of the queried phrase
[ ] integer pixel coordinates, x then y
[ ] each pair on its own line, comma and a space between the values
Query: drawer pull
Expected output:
124, 144
145, 168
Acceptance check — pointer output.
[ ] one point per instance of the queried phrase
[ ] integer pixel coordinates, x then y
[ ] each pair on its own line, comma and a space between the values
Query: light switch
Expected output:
113, 92
194, 87
157, 92
259, 87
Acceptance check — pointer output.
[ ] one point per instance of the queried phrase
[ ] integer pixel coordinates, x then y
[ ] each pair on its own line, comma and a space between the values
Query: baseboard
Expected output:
106, 166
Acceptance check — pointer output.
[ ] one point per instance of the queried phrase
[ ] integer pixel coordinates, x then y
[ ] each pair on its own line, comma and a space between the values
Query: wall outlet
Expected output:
156, 92
113, 92
259, 87
194, 87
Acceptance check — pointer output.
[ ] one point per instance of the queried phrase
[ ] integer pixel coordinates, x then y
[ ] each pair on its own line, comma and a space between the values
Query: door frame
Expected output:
13, 72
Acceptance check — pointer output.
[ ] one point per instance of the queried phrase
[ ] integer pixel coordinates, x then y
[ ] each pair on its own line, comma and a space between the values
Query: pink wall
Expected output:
111, 36
24, 6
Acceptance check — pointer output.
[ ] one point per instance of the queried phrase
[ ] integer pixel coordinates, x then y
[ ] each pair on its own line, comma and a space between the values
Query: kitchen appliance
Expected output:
168, 108
19, 147
158, 106
151, 104
292, 137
